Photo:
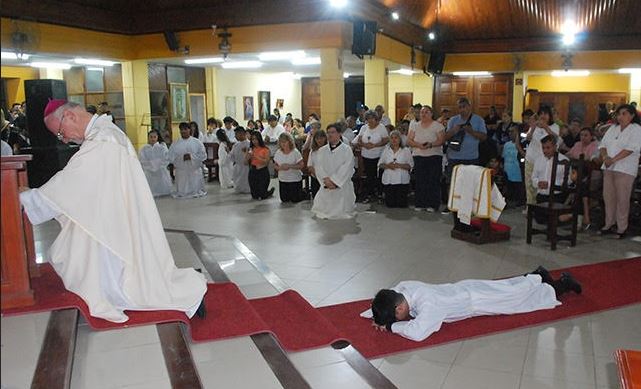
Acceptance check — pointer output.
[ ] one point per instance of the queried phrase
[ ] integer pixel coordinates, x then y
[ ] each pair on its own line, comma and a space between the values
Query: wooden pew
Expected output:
16, 245
210, 162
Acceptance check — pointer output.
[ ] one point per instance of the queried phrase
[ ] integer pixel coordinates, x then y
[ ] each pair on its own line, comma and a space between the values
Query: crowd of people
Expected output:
415, 156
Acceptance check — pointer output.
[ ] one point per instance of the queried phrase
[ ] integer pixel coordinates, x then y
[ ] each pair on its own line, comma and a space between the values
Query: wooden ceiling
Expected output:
461, 25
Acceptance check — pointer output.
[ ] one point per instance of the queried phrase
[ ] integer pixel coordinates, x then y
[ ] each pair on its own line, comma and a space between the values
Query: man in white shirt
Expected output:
209, 135
384, 119
542, 173
111, 250
415, 310
228, 126
187, 155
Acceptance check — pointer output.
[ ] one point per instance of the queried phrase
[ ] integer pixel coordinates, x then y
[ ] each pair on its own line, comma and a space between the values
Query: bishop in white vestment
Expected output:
112, 250
187, 154
334, 167
415, 310
154, 158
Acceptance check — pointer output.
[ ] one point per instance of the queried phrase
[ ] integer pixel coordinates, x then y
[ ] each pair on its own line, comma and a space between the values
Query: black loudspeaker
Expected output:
436, 62
172, 40
364, 38
38, 93
49, 155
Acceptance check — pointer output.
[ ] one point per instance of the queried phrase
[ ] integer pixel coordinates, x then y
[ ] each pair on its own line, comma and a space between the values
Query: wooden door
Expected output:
310, 96
404, 102
492, 91
581, 105
449, 89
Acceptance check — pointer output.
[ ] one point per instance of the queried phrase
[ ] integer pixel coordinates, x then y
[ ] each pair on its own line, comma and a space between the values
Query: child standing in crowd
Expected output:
288, 162
512, 154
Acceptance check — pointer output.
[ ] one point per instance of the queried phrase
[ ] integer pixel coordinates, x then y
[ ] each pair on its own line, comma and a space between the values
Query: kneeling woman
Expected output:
397, 162
258, 158
288, 162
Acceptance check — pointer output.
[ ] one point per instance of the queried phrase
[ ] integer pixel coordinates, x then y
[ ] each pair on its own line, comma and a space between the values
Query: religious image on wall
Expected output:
179, 102
230, 106
248, 107
264, 105
280, 103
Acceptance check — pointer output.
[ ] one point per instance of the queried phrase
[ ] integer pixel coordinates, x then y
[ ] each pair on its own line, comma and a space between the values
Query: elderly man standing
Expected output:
112, 250
187, 154
334, 168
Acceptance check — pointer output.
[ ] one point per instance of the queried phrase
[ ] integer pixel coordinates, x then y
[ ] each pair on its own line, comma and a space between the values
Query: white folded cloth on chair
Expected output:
473, 194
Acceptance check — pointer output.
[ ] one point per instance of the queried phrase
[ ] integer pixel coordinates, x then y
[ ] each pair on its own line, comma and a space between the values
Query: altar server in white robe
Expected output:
154, 158
225, 163
334, 167
415, 310
241, 166
187, 154
111, 250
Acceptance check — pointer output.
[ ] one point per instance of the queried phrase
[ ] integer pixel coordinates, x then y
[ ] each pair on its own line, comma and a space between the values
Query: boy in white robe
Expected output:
241, 168
415, 310
154, 158
112, 250
187, 154
334, 168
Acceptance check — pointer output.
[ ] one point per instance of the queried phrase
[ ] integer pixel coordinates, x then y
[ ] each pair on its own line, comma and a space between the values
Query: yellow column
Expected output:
518, 93
423, 88
376, 83
332, 86
210, 90
51, 74
135, 91
635, 87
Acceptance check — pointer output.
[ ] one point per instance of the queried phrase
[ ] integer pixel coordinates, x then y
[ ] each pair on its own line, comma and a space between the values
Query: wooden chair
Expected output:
210, 162
555, 207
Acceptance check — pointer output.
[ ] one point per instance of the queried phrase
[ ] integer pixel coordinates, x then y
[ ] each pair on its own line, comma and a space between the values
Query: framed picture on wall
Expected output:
264, 105
230, 106
179, 94
248, 107
280, 103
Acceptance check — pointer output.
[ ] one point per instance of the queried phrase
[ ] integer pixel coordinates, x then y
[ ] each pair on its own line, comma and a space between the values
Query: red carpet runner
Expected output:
299, 326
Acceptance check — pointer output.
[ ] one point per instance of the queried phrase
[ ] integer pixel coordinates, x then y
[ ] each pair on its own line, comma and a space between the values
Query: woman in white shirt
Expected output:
371, 140
288, 162
426, 138
397, 162
225, 162
619, 151
541, 126
154, 158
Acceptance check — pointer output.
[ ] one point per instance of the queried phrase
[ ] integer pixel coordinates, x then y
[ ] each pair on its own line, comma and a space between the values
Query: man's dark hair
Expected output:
272, 118
463, 100
576, 120
212, 122
527, 112
547, 139
228, 119
239, 129
384, 306
417, 106
183, 125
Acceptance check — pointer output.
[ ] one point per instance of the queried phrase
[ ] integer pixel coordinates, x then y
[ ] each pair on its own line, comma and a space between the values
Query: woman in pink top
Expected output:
587, 146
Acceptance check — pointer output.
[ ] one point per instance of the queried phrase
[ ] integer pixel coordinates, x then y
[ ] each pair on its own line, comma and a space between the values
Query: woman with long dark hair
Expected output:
258, 158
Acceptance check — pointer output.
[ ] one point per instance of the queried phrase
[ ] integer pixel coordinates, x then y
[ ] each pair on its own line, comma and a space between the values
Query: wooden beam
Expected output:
53, 370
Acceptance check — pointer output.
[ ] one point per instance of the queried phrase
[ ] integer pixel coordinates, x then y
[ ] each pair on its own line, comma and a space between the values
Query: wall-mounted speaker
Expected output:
364, 38
172, 40
436, 62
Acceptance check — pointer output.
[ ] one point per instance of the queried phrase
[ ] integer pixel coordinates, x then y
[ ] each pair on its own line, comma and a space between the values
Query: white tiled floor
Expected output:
331, 262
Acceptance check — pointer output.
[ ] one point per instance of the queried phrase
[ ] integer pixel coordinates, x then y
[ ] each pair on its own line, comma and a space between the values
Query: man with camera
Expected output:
464, 132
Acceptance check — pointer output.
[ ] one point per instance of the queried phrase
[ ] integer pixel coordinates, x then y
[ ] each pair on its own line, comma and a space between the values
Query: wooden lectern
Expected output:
18, 259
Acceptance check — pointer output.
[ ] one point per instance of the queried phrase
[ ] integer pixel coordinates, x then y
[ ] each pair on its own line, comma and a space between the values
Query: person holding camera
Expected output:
464, 132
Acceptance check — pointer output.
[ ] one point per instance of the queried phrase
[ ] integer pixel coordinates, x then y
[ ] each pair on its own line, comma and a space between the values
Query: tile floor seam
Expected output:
527, 348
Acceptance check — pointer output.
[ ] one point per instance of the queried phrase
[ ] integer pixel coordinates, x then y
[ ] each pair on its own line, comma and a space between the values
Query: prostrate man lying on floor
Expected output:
415, 310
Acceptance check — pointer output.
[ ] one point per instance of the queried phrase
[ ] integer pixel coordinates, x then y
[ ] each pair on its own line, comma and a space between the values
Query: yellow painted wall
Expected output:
15, 76
240, 83
603, 82
421, 85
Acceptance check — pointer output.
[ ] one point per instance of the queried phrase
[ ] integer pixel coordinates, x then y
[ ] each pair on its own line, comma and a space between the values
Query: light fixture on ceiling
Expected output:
338, 3
13, 56
50, 65
569, 31
306, 61
395, 15
570, 73
405, 72
203, 60
630, 70
474, 73
241, 65
431, 35
281, 55
93, 61
346, 75
89, 68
